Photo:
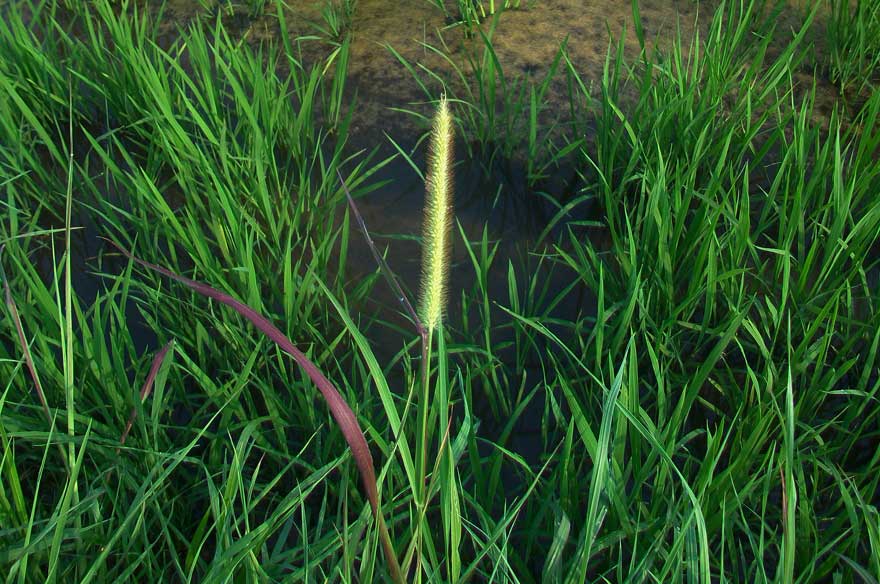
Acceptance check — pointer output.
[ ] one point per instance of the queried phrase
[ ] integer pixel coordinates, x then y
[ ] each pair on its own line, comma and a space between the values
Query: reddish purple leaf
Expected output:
148, 386
340, 410
22, 341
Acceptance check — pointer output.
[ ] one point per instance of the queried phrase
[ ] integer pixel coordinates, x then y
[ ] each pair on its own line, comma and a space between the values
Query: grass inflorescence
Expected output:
438, 219
675, 380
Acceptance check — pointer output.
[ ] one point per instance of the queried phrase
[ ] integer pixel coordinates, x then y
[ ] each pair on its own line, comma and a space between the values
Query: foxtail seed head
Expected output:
436, 233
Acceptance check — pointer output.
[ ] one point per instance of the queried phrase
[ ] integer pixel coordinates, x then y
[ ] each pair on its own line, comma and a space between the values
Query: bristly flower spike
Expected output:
437, 229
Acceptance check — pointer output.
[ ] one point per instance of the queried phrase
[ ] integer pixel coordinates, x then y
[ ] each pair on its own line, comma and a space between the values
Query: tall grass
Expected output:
731, 279
853, 36
207, 153
697, 401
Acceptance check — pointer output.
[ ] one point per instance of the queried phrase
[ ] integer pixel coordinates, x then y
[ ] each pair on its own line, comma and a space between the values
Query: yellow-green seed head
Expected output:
436, 233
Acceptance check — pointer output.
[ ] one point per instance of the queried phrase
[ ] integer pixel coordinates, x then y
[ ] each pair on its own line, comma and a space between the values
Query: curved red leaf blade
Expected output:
342, 413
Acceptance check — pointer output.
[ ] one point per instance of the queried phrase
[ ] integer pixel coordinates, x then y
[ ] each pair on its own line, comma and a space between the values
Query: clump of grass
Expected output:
727, 217
232, 171
255, 8
505, 120
470, 13
337, 17
342, 412
853, 34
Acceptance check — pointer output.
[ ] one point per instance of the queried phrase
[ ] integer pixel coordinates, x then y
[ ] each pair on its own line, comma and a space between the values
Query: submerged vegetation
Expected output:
674, 380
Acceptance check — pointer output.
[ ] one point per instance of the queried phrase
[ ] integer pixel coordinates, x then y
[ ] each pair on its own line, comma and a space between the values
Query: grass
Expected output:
470, 13
854, 49
337, 17
697, 401
502, 118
